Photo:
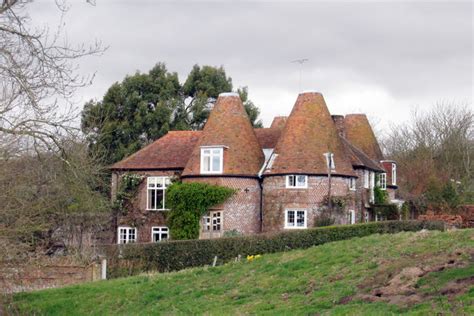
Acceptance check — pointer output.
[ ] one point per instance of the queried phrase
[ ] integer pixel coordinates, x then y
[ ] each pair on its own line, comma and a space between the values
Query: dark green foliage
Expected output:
176, 255
145, 106
380, 196
386, 211
324, 220
442, 195
188, 203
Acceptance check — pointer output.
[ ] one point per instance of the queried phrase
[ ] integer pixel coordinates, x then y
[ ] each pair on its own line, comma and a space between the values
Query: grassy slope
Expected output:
296, 282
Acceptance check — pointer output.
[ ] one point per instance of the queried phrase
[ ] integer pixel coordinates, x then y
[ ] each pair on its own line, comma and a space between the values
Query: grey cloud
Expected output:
407, 53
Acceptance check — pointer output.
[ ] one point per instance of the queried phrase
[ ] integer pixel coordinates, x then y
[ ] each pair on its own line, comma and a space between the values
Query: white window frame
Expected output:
330, 163
208, 221
297, 185
352, 184
366, 216
127, 239
295, 211
366, 179
352, 218
383, 181
160, 231
211, 155
394, 174
165, 182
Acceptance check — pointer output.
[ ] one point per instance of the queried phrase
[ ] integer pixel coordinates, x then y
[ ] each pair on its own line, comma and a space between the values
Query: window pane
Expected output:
216, 163
301, 181
216, 152
152, 199
291, 218
300, 218
206, 151
160, 198
207, 163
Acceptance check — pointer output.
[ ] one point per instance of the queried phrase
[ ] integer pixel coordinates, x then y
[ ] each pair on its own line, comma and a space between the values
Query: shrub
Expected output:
180, 254
188, 203
387, 211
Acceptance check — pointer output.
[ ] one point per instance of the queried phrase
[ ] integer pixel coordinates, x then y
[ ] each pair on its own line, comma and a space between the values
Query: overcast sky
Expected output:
382, 58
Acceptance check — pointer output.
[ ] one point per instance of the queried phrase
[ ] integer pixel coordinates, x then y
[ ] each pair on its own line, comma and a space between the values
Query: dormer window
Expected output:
212, 160
330, 161
297, 181
394, 174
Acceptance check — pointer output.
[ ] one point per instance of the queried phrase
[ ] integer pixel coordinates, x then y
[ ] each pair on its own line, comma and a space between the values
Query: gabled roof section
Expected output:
267, 137
228, 125
279, 122
309, 134
360, 134
359, 159
171, 151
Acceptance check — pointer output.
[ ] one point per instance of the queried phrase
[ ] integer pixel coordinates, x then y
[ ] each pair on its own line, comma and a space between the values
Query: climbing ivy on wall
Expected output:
127, 190
188, 203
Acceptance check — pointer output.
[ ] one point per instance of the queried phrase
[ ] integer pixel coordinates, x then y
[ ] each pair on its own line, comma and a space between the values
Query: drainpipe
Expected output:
260, 183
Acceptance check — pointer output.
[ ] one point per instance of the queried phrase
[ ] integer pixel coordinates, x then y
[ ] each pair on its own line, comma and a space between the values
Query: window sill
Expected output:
210, 173
293, 227
157, 210
297, 188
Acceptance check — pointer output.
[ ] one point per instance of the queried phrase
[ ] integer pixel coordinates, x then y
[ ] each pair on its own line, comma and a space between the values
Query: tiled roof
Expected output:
279, 122
171, 151
267, 137
309, 134
228, 125
359, 159
360, 134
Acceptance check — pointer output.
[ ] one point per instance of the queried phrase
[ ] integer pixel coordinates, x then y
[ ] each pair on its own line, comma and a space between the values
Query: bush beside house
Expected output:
131, 259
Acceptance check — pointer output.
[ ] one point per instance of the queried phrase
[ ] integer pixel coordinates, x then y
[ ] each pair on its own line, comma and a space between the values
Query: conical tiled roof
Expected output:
279, 122
309, 134
228, 125
360, 134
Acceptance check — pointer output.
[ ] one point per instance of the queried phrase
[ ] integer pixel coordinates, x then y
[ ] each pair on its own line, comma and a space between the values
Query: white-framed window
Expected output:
366, 216
212, 221
156, 192
351, 217
366, 179
383, 181
126, 235
159, 233
394, 174
352, 184
297, 181
295, 219
212, 160
330, 161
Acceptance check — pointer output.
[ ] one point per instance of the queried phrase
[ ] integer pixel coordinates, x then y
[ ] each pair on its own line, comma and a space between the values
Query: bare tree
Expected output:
38, 77
434, 146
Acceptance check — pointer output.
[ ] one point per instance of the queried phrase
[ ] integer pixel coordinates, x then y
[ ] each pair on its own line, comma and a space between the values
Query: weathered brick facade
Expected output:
277, 198
137, 215
255, 163
241, 212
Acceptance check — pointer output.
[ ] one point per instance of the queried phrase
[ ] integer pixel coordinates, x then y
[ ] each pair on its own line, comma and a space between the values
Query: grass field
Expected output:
422, 273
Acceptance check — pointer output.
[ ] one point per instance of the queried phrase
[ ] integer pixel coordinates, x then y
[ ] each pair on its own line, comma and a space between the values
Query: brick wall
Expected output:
277, 198
41, 275
241, 212
139, 217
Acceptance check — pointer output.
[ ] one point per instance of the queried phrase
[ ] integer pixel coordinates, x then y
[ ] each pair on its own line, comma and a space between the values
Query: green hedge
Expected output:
124, 260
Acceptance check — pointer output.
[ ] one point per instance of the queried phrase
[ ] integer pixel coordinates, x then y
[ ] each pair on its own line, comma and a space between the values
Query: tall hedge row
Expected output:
124, 260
